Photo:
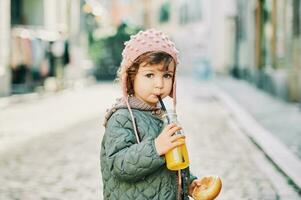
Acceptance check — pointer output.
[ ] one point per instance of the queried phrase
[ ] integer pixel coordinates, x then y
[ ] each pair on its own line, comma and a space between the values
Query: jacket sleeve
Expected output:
192, 178
128, 160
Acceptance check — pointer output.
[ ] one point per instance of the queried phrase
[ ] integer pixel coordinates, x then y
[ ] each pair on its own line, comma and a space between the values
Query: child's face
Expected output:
152, 80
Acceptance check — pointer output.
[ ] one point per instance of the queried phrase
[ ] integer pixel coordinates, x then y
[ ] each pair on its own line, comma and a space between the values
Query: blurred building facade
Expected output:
35, 41
268, 46
256, 40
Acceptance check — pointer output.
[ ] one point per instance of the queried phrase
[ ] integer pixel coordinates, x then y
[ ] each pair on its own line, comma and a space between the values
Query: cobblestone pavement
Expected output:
65, 164
22, 121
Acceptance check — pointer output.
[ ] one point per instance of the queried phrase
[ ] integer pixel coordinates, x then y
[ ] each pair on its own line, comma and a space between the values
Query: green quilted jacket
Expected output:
131, 170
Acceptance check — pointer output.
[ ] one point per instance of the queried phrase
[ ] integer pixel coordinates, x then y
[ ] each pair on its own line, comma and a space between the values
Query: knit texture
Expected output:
142, 42
135, 103
146, 41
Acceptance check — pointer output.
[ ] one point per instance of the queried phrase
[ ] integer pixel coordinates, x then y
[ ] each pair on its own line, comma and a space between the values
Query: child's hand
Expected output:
195, 183
167, 141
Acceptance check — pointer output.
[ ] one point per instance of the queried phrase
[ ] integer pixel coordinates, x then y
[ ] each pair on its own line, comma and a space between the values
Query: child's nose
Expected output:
159, 83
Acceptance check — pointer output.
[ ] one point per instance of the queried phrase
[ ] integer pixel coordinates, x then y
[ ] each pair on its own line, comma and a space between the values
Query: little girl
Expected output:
132, 151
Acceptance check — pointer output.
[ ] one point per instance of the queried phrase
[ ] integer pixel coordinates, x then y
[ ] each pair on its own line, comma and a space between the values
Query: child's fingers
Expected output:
199, 183
174, 129
169, 126
177, 143
193, 184
196, 182
176, 137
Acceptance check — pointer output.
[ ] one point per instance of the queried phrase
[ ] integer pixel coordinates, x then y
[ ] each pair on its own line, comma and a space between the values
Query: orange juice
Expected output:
177, 158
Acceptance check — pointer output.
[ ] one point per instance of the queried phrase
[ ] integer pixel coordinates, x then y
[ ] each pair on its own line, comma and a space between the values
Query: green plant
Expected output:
106, 52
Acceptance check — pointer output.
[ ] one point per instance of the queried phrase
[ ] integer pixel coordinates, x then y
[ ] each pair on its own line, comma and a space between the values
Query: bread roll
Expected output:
209, 189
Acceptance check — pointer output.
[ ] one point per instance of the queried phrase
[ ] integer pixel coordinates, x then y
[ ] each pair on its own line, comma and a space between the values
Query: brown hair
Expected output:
151, 58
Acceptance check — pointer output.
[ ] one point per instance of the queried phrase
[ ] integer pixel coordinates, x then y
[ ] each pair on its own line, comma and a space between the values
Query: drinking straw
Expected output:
163, 108
168, 120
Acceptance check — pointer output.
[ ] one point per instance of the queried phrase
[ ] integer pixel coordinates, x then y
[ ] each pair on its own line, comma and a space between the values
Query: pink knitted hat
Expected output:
145, 41
142, 42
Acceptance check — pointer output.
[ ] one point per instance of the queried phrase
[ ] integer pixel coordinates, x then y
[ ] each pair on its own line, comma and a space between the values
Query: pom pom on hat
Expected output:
146, 41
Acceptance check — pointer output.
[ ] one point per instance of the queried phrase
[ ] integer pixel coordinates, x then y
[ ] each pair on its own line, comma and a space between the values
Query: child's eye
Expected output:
150, 75
167, 76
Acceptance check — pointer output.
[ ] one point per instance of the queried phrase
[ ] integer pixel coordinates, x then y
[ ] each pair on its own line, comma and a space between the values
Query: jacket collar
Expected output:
135, 103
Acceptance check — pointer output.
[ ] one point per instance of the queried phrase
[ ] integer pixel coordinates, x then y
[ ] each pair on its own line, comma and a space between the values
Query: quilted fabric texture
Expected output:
135, 171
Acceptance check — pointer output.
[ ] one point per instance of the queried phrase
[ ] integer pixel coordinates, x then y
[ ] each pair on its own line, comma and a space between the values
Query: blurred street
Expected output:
239, 91
275, 115
59, 159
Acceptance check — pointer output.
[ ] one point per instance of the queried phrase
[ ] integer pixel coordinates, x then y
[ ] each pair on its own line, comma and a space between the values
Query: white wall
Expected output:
220, 16
56, 14
190, 38
74, 19
4, 46
50, 14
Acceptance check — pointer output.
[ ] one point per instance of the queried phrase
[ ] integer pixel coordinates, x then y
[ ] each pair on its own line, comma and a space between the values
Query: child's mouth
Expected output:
157, 96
